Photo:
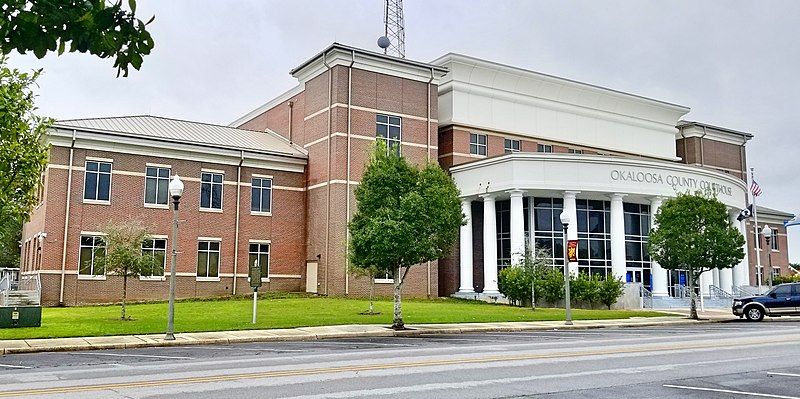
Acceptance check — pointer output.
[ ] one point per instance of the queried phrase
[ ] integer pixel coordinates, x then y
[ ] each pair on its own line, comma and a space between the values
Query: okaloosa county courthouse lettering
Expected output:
675, 181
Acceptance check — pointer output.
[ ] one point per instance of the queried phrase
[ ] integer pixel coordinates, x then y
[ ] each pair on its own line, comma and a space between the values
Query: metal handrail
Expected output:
647, 297
745, 290
5, 284
718, 292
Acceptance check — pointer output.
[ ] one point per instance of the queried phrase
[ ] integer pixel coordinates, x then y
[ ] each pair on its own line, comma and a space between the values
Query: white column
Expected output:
572, 230
466, 248
617, 237
658, 273
489, 245
705, 279
517, 218
715, 277
741, 272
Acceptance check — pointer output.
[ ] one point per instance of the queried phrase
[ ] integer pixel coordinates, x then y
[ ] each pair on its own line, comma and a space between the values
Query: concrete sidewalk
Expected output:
312, 333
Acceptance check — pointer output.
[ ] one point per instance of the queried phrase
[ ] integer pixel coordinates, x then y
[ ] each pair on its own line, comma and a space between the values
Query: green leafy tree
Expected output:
406, 216
515, 284
124, 256
10, 236
609, 290
98, 27
23, 156
694, 233
551, 286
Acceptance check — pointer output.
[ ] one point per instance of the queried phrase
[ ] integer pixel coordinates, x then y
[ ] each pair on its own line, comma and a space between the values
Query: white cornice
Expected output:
711, 134
381, 64
156, 148
599, 159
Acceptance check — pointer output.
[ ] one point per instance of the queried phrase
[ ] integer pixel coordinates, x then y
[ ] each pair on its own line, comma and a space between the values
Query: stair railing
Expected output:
717, 292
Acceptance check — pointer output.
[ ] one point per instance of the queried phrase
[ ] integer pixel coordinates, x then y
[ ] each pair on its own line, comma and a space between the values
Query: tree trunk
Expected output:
397, 321
372, 295
124, 293
693, 302
533, 296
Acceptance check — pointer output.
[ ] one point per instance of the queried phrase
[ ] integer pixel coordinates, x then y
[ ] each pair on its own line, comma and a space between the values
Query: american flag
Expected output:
755, 189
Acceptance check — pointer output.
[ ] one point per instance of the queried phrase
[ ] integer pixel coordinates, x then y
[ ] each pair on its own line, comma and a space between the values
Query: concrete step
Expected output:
674, 303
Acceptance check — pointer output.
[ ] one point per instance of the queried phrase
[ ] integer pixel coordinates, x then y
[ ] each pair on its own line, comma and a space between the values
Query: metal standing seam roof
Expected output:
156, 127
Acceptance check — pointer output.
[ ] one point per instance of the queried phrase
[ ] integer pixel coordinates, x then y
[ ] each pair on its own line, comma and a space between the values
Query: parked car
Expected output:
782, 300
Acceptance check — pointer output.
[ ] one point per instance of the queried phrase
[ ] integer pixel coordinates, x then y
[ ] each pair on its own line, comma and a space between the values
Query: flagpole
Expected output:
758, 241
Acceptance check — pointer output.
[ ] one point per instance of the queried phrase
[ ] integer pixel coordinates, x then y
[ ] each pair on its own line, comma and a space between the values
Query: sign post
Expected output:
255, 282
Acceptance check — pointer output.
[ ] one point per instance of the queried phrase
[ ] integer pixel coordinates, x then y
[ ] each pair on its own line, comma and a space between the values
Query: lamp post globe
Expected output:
767, 232
565, 220
176, 192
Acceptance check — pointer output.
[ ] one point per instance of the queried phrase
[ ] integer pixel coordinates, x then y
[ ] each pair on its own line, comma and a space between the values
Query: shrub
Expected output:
585, 288
786, 279
551, 287
515, 283
610, 290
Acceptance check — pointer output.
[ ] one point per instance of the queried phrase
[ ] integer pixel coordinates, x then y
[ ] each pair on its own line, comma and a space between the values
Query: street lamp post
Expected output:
565, 224
175, 191
767, 231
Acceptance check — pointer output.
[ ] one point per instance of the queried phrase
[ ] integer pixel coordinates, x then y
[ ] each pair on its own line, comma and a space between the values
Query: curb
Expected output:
308, 334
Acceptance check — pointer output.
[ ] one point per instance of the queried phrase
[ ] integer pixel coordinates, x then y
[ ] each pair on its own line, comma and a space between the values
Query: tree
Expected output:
124, 256
10, 236
23, 156
97, 27
369, 272
609, 290
694, 233
406, 216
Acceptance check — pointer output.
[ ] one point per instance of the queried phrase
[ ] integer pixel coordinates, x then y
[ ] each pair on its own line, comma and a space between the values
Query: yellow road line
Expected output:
378, 366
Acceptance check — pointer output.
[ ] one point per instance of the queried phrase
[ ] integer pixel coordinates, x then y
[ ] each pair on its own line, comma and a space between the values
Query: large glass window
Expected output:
259, 252
97, 181
773, 242
637, 230
548, 232
477, 144
156, 185
511, 145
389, 129
261, 199
208, 259
92, 249
594, 236
210, 190
157, 248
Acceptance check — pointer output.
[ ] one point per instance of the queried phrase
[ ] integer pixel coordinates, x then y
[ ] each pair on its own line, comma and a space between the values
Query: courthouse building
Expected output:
276, 186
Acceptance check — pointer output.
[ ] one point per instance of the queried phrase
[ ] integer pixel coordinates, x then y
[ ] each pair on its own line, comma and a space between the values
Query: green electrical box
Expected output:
20, 316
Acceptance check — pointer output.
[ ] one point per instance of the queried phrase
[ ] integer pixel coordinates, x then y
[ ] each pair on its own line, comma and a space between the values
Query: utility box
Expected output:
20, 316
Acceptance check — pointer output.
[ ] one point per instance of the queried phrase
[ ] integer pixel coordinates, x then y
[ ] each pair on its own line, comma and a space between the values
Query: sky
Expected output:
734, 63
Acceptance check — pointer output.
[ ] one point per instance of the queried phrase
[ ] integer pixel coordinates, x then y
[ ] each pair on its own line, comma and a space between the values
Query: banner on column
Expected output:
572, 251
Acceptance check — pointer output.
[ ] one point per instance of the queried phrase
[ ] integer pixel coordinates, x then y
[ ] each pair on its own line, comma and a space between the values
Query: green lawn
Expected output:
282, 312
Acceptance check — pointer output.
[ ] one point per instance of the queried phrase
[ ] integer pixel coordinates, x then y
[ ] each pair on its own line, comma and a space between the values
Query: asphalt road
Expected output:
727, 360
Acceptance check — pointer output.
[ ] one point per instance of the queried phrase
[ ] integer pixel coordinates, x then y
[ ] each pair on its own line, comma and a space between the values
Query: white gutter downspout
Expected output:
328, 207
428, 151
702, 148
66, 220
236, 234
347, 229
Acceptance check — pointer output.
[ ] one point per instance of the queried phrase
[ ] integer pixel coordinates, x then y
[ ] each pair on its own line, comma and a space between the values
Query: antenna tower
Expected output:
394, 30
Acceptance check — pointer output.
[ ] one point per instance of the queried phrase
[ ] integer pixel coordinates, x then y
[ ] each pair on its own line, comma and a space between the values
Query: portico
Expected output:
519, 197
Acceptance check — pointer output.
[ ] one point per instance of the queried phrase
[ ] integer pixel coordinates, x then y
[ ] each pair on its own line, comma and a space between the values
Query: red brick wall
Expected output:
780, 257
725, 157
285, 228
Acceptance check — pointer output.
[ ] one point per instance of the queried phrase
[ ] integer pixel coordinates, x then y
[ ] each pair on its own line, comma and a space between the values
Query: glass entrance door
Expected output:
633, 275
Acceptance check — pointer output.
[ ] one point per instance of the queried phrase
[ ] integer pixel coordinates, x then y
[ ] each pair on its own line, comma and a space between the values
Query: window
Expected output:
575, 151
637, 232
388, 129
594, 236
208, 259
156, 184
261, 199
548, 232
210, 190
503, 229
773, 242
157, 248
544, 148
510, 145
93, 248
477, 144
385, 277
97, 181
259, 252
